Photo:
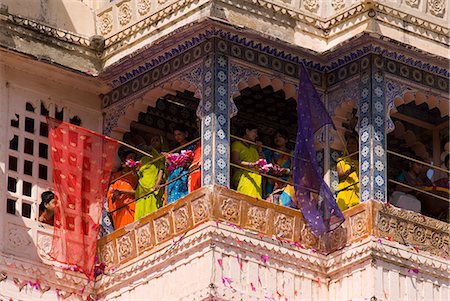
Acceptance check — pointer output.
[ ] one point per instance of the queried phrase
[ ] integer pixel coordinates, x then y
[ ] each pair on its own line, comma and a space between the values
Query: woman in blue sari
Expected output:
179, 188
280, 140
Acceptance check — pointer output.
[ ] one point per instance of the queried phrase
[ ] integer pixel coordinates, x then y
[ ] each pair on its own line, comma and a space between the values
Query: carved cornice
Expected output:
50, 31
49, 275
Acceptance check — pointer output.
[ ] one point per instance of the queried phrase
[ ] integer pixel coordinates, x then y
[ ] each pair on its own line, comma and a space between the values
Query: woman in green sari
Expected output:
246, 154
149, 194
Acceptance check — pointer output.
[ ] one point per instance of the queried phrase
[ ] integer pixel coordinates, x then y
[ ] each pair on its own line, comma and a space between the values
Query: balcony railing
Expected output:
218, 205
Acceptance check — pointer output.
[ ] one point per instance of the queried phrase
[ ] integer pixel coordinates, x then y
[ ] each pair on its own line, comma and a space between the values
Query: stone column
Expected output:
215, 121
372, 134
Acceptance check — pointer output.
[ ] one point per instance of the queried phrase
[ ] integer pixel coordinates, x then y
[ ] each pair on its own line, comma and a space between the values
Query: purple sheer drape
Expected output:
313, 195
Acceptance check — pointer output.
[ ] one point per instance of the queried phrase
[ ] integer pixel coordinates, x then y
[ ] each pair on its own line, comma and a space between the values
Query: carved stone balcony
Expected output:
216, 204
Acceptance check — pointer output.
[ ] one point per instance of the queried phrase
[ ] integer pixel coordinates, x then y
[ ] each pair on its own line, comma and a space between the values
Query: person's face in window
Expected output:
156, 143
180, 136
50, 205
279, 140
251, 134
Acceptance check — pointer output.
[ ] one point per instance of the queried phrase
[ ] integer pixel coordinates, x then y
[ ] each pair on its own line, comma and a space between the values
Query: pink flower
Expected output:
414, 271
175, 160
132, 163
264, 258
252, 286
219, 261
226, 280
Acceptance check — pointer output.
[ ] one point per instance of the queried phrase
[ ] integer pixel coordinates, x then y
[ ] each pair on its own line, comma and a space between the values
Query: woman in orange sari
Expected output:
121, 192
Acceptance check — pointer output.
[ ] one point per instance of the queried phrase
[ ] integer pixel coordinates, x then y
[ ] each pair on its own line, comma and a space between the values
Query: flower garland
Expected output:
270, 168
177, 160
132, 164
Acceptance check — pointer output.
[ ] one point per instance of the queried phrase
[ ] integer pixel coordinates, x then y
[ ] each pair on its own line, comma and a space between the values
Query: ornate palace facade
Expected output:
142, 65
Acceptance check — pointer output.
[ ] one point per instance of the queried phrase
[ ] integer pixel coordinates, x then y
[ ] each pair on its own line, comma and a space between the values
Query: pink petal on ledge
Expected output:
264, 258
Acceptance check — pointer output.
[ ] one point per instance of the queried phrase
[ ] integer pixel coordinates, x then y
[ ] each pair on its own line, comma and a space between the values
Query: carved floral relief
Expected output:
308, 237
143, 6
181, 219
162, 228
107, 253
124, 13
284, 226
358, 225
436, 7
230, 210
412, 3
257, 218
106, 23
311, 5
143, 237
199, 210
338, 4
125, 246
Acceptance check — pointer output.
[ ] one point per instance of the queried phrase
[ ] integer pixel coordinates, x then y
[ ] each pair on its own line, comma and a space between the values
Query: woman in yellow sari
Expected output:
149, 195
246, 154
348, 169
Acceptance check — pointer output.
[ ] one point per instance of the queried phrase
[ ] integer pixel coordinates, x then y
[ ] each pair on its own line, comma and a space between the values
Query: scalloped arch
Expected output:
339, 116
149, 99
419, 97
289, 88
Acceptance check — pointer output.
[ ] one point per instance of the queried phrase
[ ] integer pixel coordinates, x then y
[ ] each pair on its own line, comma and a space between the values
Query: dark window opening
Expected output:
11, 206
29, 107
28, 167
43, 172
59, 114
12, 184
26, 189
44, 111
43, 150
43, 129
12, 163
75, 120
26, 210
29, 146
15, 123
14, 143
29, 125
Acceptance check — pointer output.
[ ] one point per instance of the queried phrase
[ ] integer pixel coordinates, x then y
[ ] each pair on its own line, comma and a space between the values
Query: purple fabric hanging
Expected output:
313, 195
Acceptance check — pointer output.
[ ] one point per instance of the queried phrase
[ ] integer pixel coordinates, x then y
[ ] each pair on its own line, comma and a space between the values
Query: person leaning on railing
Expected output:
282, 159
347, 169
149, 195
121, 192
246, 155
179, 188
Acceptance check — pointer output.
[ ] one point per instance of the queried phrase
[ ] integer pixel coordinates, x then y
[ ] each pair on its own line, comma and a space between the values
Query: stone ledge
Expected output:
221, 205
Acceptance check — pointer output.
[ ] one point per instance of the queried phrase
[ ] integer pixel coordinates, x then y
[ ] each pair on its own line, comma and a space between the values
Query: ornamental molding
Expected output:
342, 64
49, 275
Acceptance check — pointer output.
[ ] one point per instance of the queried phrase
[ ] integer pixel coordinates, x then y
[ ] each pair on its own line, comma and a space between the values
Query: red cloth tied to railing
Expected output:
82, 162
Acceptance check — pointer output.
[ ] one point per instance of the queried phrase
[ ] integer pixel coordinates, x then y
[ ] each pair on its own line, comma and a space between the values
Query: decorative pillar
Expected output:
215, 121
372, 134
